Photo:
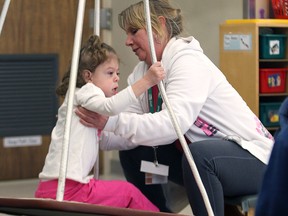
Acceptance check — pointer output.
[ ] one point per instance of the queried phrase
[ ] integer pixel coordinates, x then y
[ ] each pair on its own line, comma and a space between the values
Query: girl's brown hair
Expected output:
93, 53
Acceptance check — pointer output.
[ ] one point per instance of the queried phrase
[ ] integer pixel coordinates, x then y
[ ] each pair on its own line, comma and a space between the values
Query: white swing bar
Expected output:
173, 117
3, 14
97, 18
71, 91
97, 32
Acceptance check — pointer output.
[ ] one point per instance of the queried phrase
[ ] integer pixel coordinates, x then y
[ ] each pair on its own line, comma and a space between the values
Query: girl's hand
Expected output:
155, 73
91, 119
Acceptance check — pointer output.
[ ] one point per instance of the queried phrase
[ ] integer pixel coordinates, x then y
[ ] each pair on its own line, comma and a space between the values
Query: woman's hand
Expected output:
91, 119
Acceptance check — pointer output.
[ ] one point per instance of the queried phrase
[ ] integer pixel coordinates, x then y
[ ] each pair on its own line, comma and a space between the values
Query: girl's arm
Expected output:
92, 98
153, 76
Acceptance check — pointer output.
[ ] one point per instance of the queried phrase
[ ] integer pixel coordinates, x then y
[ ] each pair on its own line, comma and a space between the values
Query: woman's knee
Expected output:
197, 152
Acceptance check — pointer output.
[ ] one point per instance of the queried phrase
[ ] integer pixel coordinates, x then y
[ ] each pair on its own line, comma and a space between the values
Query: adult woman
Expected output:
230, 146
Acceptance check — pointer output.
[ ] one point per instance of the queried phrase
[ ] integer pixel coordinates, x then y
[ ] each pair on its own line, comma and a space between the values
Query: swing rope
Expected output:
173, 117
71, 92
3, 14
97, 18
97, 32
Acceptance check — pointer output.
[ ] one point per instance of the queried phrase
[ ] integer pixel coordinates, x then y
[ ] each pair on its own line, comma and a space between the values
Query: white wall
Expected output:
201, 20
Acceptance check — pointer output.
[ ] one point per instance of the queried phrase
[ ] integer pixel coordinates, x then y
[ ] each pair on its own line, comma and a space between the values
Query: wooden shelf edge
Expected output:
258, 21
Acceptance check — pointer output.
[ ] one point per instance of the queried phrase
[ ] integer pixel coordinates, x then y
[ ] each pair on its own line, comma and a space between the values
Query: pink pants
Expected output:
114, 193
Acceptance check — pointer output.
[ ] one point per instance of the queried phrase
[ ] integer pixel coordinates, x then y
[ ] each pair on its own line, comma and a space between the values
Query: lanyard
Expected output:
151, 96
151, 101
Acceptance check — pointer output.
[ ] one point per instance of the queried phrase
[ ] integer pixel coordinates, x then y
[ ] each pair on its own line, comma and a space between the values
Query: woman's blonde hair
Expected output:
133, 17
93, 53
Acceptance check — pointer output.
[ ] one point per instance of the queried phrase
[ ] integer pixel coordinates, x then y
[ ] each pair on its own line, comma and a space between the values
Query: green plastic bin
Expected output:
272, 46
269, 114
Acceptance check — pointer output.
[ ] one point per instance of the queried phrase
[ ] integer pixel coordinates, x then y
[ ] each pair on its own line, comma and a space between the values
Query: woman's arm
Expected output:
109, 141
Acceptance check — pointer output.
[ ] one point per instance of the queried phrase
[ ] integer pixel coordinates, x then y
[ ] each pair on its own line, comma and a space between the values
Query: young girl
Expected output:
97, 79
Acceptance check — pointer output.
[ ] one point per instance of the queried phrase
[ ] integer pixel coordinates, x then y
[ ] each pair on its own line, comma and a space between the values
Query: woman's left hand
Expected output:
91, 119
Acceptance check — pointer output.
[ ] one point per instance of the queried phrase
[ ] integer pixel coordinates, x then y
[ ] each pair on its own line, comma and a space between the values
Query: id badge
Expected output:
154, 173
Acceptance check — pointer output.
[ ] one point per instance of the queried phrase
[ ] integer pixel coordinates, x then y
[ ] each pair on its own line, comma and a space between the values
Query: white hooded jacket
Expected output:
83, 142
205, 104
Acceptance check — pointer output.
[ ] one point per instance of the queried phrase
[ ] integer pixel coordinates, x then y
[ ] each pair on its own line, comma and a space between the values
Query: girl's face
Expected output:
106, 75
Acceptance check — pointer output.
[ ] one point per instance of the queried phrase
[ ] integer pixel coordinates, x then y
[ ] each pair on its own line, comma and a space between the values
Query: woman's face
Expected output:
138, 41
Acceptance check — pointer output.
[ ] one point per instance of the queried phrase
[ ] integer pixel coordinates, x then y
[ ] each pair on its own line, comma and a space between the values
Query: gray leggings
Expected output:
224, 167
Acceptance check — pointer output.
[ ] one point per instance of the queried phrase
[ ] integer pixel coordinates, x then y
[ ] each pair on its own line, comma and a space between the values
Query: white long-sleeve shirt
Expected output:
83, 145
205, 104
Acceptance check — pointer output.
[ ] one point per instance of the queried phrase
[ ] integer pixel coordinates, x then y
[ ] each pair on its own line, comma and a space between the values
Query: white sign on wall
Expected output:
237, 42
22, 141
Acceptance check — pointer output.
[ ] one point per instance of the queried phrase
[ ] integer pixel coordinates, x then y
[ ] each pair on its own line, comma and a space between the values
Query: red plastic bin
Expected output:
273, 80
280, 8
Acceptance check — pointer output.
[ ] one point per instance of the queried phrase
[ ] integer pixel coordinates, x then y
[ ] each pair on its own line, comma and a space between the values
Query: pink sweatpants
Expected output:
114, 193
